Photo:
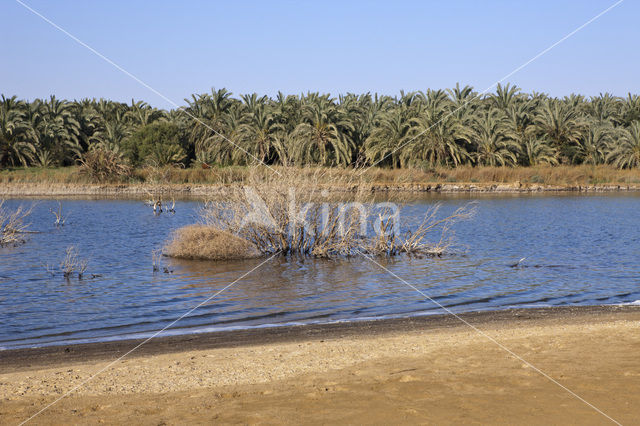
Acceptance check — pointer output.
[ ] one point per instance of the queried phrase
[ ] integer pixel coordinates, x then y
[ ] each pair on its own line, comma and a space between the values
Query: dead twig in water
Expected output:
155, 201
156, 255
72, 262
60, 218
12, 224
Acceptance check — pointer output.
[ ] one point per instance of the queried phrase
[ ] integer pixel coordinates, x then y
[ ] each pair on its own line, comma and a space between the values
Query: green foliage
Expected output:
157, 144
417, 129
493, 145
627, 153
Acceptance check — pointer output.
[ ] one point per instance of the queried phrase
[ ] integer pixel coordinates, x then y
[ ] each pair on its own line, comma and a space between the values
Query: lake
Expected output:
579, 249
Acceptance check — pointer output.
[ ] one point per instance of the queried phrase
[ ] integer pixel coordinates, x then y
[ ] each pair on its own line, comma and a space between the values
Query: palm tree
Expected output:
465, 102
435, 100
287, 111
505, 96
560, 124
576, 102
283, 145
489, 136
593, 146
520, 126
382, 145
112, 134
140, 114
627, 154
537, 151
15, 147
258, 133
59, 131
43, 159
437, 127
365, 113
605, 107
207, 116
321, 137
630, 110
435, 137
217, 148
89, 119
108, 110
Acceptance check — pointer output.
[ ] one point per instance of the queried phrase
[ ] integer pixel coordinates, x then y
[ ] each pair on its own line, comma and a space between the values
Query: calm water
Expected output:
580, 250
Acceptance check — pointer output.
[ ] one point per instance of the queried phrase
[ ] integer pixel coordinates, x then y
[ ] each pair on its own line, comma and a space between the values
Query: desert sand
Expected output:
412, 371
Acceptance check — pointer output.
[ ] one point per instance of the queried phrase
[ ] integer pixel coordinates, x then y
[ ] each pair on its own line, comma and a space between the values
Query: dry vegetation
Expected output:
73, 263
103, 165
201, 242
70, 263
12, 224
61, 218
156, 255
582, 175
292, 214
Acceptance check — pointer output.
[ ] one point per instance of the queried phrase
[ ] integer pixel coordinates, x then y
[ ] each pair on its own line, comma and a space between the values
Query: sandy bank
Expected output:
427, 370
214, 190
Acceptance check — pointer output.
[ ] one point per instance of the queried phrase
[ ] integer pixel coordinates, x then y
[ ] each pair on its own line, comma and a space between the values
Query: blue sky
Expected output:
180, 48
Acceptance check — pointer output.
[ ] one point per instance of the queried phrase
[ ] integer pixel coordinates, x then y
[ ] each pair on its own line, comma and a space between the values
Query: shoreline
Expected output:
426, 370
57, 355
19, 189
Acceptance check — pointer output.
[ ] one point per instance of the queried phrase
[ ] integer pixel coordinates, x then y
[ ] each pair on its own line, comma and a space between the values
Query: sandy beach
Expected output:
427, 370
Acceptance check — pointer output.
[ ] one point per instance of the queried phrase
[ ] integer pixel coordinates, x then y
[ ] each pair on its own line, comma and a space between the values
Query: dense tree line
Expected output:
436, 127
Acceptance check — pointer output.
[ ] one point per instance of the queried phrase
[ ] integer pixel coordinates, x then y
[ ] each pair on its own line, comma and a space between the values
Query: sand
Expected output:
408, 371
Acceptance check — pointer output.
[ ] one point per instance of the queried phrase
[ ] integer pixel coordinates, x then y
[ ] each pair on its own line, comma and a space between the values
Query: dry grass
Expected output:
12, 224
203, 242
547, 175
65, 175
103, 165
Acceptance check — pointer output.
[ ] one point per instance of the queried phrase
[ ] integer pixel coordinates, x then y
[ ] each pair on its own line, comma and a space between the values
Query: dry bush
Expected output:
417, 241
203, 242
72, 262
104, 165
12, 224
267, 212
292, 214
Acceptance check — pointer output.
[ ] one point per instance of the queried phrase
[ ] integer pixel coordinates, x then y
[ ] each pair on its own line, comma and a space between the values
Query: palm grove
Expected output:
419, 129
